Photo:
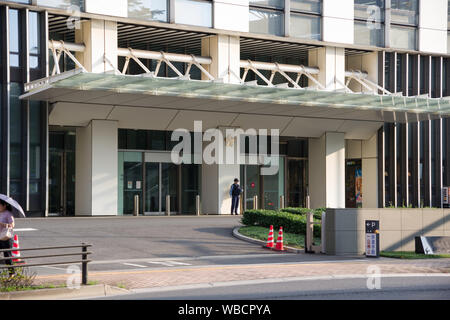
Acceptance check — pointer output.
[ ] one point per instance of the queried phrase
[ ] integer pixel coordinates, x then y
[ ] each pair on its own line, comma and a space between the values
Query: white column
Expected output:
338, 24
327, 171
217, 178
433, 26
96, 169
100, 40
331, 63
225, 53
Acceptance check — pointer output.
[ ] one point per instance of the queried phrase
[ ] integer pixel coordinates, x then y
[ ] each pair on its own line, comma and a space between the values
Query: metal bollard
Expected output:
197, 205
84, 265
255, 202
281, 202
136, 205
168, 205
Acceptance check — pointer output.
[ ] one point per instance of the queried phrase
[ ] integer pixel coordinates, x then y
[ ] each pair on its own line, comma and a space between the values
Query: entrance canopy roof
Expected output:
78, 86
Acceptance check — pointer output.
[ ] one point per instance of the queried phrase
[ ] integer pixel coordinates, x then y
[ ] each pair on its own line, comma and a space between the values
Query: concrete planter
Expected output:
345, 229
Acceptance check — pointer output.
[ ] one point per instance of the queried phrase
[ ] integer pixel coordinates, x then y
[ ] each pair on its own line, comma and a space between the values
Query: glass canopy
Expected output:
146, 85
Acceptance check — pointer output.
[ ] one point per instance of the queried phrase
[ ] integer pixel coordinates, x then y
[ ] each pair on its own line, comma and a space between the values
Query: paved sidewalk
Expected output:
164, 277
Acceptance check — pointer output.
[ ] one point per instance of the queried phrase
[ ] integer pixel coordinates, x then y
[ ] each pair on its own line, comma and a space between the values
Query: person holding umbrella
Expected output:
8, 208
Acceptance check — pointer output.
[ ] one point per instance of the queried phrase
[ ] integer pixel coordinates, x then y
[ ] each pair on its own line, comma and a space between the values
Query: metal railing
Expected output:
84, 259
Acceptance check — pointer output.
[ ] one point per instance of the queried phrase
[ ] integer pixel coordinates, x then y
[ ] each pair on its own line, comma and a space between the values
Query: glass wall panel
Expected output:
268, 3
305, 26
34, 39
266, 21
411, 181
169, 186
411, 74
297, 182
35, 154
148, 10
370, 10
313, 6
400, 149
14, 36
388, 135
62, 4
274, 188
198, 13
400, 72
403, 37
152, 187
370, 34
15, 141
448, 42
422, 155
252, 185
404, 11
130, 181
190, 187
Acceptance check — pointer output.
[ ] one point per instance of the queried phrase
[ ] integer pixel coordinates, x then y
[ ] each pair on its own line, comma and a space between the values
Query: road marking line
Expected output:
25, 229
162, 263
55, 268
179, 263
135, 265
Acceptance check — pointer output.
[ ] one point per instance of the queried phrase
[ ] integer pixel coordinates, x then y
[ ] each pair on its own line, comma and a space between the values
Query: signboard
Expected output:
445, 195
372, 241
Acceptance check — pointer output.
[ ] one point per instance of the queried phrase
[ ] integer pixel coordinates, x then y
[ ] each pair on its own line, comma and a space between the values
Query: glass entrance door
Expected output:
161, 180
56, 183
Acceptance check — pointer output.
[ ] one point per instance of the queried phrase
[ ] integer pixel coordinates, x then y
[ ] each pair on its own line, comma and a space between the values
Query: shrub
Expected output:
302, 211
292, 223
23, 279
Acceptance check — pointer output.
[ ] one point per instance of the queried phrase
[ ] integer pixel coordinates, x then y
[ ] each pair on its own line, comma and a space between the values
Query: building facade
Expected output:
92, 90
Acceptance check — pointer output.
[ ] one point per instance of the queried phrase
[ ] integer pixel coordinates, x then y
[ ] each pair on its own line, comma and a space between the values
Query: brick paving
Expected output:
163, 277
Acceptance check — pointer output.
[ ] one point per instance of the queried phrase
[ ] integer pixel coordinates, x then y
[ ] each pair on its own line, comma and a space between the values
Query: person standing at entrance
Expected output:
235, 193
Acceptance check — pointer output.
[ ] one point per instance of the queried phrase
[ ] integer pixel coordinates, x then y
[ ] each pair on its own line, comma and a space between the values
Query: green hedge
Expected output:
302, 211
292, 223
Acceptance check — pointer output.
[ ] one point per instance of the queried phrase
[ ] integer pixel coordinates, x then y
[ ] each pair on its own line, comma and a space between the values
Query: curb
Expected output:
236, 234
83, 292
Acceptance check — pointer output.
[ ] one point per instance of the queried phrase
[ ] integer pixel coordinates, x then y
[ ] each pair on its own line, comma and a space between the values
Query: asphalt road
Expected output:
129, 243
392, 288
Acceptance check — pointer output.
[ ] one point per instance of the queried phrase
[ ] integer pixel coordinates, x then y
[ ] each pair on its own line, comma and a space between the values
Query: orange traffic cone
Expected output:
16, 254
279, 245
270, 238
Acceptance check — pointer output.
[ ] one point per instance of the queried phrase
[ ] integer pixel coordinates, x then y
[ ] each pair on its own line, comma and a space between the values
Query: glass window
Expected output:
33, 36
404, 11
399, 72
268, 3
14, 43
35, 140
304, 26
370, 10
21, 1
15, 141
314, 6
148, 9
411, 74
403, 37
448, 42
266, 21
63, 4
369, 34
193, 12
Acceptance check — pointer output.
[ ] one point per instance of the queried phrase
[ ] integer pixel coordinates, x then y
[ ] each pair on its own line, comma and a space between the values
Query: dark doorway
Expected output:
353, 184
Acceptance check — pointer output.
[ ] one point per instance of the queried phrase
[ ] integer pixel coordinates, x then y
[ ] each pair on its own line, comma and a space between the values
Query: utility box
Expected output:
372, 238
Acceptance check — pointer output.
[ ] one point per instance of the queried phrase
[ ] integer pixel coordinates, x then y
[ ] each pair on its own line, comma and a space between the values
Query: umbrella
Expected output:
17, 209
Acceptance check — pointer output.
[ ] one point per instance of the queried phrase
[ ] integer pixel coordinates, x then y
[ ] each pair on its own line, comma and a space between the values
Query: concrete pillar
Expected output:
96, 169
100, 39
327, 171
225, 53
331, 63
370, 172
217, 179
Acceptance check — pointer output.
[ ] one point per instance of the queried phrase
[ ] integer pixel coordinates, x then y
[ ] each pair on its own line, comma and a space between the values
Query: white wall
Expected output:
231, 15
117, 8
338, 25
331, 63
433, 26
